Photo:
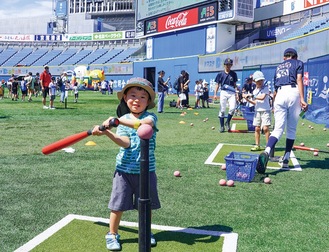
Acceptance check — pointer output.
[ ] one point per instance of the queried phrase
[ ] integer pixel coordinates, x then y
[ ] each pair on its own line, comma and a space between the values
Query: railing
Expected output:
258, 44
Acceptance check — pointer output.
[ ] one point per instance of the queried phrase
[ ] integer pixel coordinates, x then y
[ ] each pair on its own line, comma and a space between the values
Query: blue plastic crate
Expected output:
250, 126
249, 116
241, 166
246, 108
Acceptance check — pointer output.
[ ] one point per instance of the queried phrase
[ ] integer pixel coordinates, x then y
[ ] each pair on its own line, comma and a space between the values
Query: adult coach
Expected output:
45, 79
162, 89
227, 81
184, 81
288, 102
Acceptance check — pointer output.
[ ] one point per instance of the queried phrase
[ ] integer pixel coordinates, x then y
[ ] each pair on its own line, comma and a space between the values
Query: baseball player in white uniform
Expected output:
288, 103
227, 81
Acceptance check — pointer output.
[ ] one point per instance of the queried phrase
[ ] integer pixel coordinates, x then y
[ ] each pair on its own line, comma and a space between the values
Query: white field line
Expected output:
230, 239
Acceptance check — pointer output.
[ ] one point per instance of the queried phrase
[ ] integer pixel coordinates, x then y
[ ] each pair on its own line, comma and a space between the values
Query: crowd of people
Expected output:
28, 87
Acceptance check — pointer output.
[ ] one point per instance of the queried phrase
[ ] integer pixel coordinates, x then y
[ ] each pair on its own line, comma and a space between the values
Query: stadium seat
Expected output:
46, 58
94, 55
34, 56
14, 56
108, 56
62, 57
76, 58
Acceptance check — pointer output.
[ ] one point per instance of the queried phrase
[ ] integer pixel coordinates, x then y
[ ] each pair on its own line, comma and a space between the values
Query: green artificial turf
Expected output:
81, 235
36, 191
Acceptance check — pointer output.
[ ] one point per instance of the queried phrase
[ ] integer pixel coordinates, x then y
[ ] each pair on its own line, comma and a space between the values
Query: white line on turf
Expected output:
229, 245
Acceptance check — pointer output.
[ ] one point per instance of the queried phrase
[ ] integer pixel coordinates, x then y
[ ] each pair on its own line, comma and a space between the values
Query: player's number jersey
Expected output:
287, 72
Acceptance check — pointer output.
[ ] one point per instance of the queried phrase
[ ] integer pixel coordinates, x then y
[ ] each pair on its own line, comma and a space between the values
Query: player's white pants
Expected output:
286, 111
227, 96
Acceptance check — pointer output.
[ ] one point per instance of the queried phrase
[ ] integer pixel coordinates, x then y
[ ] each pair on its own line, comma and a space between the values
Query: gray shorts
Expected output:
125, 192
262, 118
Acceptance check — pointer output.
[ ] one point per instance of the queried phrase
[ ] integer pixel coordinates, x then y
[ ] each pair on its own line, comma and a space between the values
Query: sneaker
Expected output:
262, 162
113, 242
222, 129
256, 148
45, 107
153, 241
284, 163
52, 108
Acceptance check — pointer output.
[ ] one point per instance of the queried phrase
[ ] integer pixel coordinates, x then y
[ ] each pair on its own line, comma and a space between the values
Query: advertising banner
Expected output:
182, 19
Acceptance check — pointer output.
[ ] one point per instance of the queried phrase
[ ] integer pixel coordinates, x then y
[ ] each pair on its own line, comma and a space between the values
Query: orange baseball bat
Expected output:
309, 149
70, 140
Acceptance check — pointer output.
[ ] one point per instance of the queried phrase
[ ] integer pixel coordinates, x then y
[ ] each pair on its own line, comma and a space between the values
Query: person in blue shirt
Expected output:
135, 98
23, 89
288, 103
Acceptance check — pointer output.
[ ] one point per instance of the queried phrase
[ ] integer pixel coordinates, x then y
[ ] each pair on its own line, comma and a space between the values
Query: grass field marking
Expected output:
229, 245
213, 155
293, 159
45, 234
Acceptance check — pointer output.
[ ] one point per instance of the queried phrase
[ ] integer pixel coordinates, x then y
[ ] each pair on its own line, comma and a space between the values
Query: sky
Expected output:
25, 8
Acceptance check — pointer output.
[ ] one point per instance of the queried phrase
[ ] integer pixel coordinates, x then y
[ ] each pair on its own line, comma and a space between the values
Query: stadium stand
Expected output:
18, 57
77, 57
34, 56
124, 55
308, 27
14, 58
64, 56
108, 56
47, 57
7, 54
93, 56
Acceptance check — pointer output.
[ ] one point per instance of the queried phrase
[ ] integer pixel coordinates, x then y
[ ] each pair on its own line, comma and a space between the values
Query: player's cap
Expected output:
249, 78
142, 83
46, 66
290, 51
258, 75
228, 61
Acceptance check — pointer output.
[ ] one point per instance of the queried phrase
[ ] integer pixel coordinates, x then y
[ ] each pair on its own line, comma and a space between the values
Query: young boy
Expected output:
135, 98
198, 93
205, 96
52, 92
261, 100
76, 92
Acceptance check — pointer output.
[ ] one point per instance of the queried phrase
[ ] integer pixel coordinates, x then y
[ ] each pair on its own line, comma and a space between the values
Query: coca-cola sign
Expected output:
178, 20
183, 19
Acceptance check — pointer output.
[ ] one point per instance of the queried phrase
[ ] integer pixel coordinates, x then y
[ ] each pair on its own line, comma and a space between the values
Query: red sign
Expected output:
313, 3
306, 79
178, 20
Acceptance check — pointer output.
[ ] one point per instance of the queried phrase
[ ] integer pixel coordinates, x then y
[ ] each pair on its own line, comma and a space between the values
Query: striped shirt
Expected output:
128, 159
